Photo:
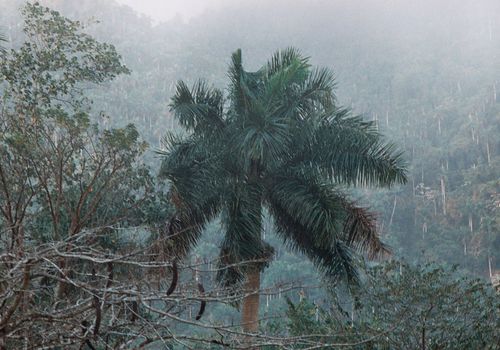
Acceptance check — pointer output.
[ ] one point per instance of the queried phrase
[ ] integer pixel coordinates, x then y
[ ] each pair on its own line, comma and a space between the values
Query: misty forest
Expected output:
259, 175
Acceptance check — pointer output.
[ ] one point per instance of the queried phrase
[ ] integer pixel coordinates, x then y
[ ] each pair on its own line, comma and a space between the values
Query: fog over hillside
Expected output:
162, 11
173, 169
417, 68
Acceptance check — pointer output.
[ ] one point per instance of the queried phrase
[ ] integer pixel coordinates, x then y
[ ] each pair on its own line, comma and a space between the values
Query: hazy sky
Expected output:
161, 10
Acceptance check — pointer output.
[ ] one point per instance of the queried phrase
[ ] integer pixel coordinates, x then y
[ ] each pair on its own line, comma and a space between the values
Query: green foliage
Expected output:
60, 173
404, 306
280, 143
57, 57
74, 197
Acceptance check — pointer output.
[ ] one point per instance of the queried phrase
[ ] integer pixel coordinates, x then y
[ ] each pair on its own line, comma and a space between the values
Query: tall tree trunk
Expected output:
443, 194
250, 309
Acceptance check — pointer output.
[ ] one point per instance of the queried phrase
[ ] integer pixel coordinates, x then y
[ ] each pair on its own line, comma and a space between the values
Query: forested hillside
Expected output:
426, 73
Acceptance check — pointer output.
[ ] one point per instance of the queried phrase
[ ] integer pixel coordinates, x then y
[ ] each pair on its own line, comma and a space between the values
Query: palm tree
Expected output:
278, 144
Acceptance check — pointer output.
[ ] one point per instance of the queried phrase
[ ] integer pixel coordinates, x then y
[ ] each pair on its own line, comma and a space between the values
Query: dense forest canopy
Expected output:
426, 74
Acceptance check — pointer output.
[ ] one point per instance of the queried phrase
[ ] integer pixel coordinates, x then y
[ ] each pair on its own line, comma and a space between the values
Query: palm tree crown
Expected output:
277, 143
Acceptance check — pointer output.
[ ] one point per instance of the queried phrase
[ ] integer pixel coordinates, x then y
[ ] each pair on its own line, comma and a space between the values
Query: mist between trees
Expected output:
144, 208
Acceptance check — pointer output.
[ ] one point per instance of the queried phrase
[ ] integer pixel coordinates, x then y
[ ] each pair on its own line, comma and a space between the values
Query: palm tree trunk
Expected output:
250, 310
250, 307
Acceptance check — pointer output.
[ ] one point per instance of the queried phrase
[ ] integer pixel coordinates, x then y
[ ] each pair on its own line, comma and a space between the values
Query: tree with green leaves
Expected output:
278, 145
402, 306
56, 163
68, 192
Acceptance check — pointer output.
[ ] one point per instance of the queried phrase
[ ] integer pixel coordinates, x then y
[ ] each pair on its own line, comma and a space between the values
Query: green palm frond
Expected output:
261, 138
336, 260
198, 109
360, 231
326, 214
186, 227
293, 87
242, 245
194, 173
314, 205
282, 59
277, 84
312, 97
350, 151
196, 191
259, 133
317, 90
236, 68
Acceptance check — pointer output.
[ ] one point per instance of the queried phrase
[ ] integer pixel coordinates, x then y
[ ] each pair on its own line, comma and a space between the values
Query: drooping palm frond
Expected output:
191, 169
360, 231
311, 203
319, 87
242, 245
326, 214
336, 260
196, 189
186, 227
